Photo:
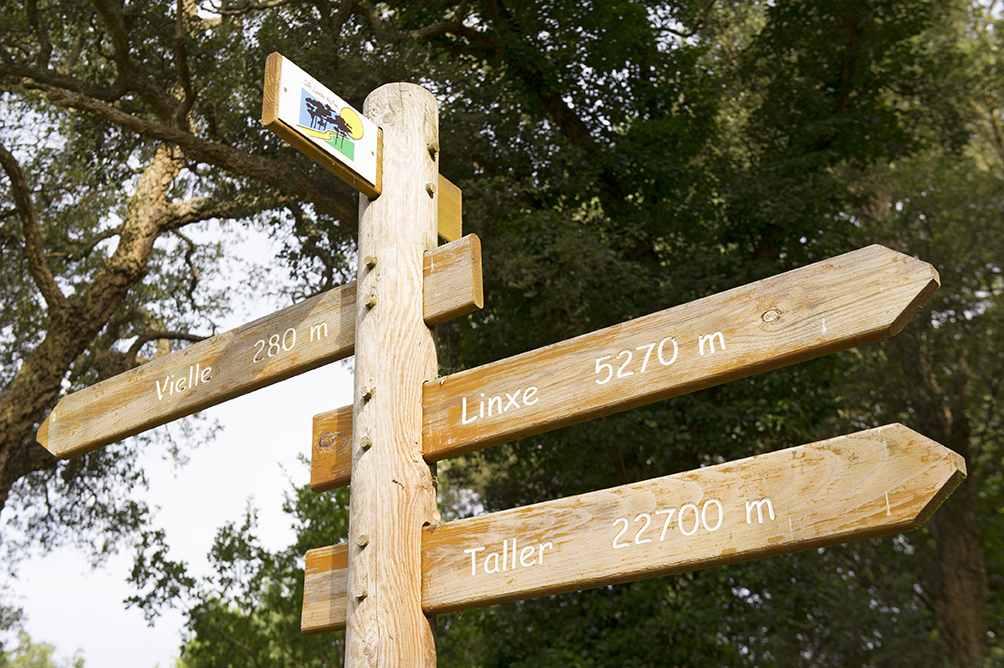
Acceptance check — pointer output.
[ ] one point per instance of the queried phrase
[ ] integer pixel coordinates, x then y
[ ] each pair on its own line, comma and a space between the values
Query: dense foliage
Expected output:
616, 158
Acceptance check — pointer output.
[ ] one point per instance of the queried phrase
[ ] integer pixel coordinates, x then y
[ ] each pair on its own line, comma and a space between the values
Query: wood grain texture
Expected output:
453, 287
392, 493
323, 331
450, 226
331, 450
829, 306
872, 483
832, 305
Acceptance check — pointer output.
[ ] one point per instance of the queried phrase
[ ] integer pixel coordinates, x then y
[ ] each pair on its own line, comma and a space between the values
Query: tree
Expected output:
32, 654
616, 158
119, 133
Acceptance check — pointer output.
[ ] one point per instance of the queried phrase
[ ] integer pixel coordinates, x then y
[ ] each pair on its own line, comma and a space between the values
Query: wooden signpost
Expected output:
296, 339
400, 564
872, 483
848, 300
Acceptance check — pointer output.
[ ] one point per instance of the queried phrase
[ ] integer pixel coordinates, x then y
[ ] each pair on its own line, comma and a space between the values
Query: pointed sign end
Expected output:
955, 478
926, 279
42, 435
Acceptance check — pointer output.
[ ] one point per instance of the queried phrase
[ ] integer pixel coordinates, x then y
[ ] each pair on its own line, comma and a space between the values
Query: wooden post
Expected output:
392, 495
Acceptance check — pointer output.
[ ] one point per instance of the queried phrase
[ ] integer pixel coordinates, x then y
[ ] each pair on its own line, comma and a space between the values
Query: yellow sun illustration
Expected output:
351, 119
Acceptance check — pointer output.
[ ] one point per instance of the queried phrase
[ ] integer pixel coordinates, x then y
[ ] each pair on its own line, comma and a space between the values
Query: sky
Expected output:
253, 458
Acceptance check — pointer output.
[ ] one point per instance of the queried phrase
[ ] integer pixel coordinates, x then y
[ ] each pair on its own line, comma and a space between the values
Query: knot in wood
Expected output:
771, 315
326, 440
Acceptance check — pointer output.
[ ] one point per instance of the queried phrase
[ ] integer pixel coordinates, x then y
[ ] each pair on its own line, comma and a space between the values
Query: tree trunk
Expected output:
957, 580
75, 323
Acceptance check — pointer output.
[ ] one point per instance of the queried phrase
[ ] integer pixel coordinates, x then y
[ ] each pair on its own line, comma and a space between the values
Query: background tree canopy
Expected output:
616, 158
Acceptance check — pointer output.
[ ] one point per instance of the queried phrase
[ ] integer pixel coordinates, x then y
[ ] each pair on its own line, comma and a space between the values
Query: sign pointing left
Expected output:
296, 339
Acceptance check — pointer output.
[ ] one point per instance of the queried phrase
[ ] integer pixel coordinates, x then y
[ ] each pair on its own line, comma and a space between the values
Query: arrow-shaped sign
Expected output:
872, 483
839, 303
294, 340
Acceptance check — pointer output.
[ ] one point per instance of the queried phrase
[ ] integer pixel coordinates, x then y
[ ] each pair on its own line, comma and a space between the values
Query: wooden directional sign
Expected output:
842, 302
872, 483
294, 340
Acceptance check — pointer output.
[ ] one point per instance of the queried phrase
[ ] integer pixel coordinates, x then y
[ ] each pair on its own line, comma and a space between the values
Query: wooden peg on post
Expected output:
392, 495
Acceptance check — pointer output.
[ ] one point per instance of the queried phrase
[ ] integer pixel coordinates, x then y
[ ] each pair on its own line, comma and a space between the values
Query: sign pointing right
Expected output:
872, 483
832, 305
839, 303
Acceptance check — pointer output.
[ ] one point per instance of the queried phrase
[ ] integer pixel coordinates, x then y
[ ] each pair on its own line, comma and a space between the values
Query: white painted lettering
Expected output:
710, 340
621, 532
697, 519
172, 384
704, 514
638, 540
474, 558
758, 504
496, 405
463, 414
506, 560
676, 351
669, 516
316, 331
494, 568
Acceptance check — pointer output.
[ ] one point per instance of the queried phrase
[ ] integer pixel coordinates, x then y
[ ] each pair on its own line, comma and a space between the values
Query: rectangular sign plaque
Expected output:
319, 123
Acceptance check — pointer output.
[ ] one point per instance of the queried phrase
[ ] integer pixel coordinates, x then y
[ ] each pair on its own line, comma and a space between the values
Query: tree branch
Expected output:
181, 56
143, 339
33, 247
254, 7
85, 248
193, 270
161, 103
44, 44
34, 75
276, 175
533, 72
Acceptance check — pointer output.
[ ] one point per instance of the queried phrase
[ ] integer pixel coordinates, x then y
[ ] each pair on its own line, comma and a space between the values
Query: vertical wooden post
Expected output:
392, 494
